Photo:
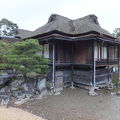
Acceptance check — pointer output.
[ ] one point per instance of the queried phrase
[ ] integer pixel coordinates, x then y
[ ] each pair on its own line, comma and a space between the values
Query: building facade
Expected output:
81, 52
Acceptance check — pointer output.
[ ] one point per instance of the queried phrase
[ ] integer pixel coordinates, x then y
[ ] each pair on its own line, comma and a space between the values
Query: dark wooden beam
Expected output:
75, 38
109, 41
54, 37
73, 61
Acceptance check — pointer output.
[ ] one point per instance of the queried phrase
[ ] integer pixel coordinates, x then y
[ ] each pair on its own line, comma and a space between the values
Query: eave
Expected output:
92, 35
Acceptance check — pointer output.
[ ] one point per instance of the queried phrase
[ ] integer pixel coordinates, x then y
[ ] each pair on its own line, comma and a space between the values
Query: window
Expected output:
113, 52
97, 52
100, 52
116, 52
104, 52
46, 50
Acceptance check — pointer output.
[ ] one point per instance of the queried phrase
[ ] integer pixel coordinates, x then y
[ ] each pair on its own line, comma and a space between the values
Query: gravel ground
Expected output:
76, 105
16, 114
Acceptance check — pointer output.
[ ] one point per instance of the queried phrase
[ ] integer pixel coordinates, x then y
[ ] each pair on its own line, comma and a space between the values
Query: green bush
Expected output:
22, 57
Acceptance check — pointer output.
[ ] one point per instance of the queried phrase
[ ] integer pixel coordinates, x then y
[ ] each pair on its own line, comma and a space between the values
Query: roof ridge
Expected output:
54, 17
90, 18
69, 26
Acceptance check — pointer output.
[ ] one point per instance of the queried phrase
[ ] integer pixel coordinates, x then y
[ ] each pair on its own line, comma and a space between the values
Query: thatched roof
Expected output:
22, 33
18, 37
9, 39
79, 26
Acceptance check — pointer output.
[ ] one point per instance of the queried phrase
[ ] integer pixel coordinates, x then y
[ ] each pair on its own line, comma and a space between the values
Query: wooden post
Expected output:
92, 89
53, 74
72, 64
118, 62
94, 66
108, 63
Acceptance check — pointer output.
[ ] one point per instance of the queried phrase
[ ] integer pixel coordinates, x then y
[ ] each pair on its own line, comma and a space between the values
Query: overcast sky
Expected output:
31, 14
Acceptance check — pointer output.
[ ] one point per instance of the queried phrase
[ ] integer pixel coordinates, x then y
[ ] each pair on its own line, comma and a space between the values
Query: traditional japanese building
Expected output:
81, 52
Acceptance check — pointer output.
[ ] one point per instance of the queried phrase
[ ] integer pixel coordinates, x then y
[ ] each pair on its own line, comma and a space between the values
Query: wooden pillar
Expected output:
72, 72
93, 66
53, 61
118, 62
108, 63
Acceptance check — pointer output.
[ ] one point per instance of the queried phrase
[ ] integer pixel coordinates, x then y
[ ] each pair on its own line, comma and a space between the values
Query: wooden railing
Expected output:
98, 61
106, 61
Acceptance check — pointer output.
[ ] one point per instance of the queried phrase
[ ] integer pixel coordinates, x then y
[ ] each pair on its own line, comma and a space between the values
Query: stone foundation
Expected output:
58, 81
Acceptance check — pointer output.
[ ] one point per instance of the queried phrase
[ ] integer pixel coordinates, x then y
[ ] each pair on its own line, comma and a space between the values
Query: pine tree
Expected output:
22, 57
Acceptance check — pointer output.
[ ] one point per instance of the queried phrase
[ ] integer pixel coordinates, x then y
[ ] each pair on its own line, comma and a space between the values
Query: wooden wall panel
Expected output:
63, 51
111, 53
83, 52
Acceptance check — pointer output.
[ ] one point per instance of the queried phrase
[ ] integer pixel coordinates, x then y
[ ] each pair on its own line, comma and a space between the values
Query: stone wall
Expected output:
20, 88
58, 80
62, 79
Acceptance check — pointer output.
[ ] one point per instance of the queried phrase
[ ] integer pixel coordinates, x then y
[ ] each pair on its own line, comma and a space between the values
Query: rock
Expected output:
5, 100
111, 86
16, 85
22, 101
72, 86
5, 78
29, 95
59, 80
41, 86
113, 93
118, 93
48, 85
92, 92
58, 89
28, 87
57, 93
5, 90
18, 94
49, 93
39, 97
3, 81
23, 89
21, 96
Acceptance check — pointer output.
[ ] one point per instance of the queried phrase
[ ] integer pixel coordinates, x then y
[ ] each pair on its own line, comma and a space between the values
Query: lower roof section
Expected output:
89, 36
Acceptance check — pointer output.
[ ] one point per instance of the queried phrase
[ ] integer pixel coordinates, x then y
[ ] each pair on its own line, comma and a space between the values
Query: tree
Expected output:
22, 57
8, 28
116, 32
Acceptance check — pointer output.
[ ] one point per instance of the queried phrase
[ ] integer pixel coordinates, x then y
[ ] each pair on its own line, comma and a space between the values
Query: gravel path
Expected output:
76, 105
16, 114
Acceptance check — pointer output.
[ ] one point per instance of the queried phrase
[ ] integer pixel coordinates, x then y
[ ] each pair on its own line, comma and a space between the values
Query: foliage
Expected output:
22, 57
118, 38
3, 47
116, 32
7, 28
